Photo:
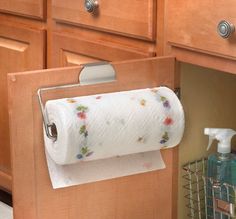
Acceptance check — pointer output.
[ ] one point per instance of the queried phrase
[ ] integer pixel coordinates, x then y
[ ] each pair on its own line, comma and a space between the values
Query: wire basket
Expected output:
206, 198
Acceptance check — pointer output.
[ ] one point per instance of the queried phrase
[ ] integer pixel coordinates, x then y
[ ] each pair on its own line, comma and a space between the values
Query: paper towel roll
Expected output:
114, 124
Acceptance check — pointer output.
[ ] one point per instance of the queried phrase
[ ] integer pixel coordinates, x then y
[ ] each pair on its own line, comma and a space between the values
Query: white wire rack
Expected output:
206, 198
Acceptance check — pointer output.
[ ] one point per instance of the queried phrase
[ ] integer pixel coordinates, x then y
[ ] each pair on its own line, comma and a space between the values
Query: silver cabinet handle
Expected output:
225, 29
91, 5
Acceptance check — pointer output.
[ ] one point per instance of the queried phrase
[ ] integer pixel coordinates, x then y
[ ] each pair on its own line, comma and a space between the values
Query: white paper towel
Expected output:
116, 133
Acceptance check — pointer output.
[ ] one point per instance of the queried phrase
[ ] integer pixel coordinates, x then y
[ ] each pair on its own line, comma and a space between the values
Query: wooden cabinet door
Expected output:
193, 25
132, 18
32, 8
20, 50
151, 195
68, 51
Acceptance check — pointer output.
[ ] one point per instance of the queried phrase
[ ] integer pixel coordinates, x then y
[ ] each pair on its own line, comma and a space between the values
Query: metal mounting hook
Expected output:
92, 73
47, 126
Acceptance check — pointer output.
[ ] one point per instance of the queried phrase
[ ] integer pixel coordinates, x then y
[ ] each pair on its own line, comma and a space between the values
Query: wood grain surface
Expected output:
21, 49
150, 195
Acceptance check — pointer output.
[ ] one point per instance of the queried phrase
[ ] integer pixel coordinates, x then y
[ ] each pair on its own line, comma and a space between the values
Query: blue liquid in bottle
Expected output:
219, 171
220, 174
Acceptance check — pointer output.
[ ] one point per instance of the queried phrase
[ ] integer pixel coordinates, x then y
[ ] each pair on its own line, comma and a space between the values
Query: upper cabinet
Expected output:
204, 27
133, 18
29, 8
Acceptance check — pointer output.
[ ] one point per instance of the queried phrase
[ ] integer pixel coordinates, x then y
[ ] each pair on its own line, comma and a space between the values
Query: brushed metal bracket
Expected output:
92, 73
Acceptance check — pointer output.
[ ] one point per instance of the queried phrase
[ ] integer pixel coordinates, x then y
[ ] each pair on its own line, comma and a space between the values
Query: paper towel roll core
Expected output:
114, 124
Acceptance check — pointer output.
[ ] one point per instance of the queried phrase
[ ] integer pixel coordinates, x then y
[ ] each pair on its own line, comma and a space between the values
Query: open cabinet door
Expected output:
151, 195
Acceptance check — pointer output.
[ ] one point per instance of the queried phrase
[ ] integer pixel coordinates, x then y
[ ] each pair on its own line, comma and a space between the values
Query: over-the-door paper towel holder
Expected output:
92, 73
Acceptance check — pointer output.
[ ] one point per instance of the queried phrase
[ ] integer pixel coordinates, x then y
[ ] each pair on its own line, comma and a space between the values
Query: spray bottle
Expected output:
221, 169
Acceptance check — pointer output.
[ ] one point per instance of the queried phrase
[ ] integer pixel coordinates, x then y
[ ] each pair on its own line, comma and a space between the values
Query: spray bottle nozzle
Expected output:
223, 136
210, 142
207, 131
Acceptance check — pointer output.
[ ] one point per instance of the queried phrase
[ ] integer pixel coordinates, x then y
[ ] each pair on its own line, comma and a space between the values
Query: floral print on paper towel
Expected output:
168, 121
98, 97
163, 99
143, 102
82, 115
165, 102
71, 101
164, 138
82, 110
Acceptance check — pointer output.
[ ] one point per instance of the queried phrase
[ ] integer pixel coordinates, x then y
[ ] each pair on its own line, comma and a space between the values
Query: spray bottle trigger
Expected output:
210, 142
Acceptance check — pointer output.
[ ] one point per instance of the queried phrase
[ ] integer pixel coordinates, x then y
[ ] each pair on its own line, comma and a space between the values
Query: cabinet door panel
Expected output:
68, 51
32, 8
20, 50
150, 195
133, 18
72, 59
193, 25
